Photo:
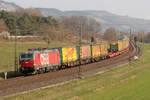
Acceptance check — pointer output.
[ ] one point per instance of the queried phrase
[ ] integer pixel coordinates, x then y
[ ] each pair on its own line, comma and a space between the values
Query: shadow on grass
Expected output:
10, 74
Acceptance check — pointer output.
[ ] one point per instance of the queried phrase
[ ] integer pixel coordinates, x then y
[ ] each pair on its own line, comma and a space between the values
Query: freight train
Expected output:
44, 60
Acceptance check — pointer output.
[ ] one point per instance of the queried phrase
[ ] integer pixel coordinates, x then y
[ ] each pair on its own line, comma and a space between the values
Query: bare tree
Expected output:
148, 37
88, 24
2, 26
110, 34
140, 36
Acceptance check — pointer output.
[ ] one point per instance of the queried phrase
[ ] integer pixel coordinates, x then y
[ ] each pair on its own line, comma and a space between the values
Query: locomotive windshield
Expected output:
26, 57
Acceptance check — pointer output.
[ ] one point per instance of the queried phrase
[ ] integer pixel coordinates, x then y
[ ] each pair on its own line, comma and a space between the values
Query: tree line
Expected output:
32, 22
23, 23
142, 37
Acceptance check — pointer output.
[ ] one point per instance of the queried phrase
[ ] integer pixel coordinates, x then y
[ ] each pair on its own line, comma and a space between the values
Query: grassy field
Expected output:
129, 82
7, 52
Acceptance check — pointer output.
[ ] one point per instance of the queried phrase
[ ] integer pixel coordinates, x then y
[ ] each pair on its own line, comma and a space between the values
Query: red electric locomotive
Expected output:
39, 60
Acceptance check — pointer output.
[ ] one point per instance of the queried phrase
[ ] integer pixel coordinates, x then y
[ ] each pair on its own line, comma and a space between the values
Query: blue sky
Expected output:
133, 8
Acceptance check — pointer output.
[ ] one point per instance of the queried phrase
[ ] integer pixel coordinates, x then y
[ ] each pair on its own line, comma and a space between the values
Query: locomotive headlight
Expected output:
34, 64
22, 68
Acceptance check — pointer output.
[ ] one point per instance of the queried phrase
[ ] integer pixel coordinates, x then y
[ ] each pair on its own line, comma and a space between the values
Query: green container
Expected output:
78, 52
61, 56
91, 50
113, 47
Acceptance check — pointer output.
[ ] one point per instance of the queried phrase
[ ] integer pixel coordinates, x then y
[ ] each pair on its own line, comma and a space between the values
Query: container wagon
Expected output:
113, 50
104, 50
85, 54
69, 56
95, 52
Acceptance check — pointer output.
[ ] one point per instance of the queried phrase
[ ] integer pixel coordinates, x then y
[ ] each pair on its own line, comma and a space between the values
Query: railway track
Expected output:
20, 84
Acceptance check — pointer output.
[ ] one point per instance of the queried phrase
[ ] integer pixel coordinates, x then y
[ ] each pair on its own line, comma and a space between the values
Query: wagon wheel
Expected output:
35, 72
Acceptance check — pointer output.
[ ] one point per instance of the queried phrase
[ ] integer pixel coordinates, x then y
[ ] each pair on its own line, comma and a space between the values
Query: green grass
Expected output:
129, 82
7, 52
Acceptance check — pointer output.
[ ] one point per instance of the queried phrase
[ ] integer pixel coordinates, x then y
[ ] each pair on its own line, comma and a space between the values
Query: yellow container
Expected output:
120, 45
69, 54
95, 50
127, 43
104, 49
124, 44
113, 43
85, 52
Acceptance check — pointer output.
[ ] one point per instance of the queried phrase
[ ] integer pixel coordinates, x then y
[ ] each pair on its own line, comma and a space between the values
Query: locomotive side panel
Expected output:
47, 58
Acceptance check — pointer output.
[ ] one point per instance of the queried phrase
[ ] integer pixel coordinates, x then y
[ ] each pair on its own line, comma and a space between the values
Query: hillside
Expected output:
8, 6
107, 19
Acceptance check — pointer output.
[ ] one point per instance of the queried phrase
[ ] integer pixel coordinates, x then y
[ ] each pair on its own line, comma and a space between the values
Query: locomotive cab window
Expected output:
26, 57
